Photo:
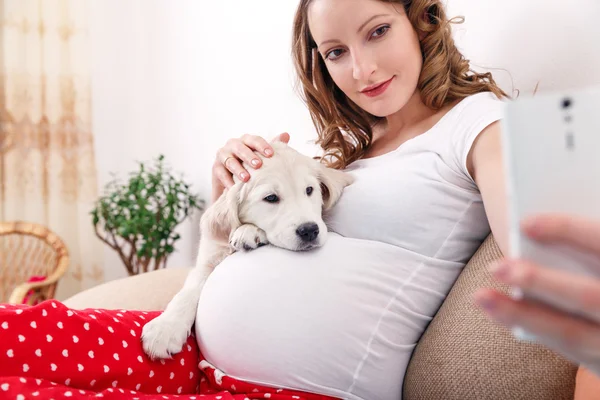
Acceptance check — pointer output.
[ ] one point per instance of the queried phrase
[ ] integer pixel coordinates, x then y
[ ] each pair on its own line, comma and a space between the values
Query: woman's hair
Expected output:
344, 129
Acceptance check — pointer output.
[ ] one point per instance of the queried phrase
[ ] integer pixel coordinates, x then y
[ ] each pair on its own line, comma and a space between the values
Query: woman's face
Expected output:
370, 49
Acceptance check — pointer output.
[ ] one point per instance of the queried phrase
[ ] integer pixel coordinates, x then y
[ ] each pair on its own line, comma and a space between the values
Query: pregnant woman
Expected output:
395, 104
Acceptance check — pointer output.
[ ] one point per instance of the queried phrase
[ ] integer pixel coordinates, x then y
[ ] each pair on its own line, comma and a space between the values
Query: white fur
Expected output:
241, 219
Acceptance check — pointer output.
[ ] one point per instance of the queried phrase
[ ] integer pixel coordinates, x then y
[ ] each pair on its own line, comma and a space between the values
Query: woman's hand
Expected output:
575, 337
230, 157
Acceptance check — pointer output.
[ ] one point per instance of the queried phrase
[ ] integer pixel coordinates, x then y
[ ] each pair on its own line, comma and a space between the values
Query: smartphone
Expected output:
551, 150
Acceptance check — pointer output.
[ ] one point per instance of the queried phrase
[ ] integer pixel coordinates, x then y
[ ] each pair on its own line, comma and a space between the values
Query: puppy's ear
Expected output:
222, 217
333, 182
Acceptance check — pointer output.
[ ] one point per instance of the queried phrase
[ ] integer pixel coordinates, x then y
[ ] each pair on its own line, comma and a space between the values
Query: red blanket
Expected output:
49, 351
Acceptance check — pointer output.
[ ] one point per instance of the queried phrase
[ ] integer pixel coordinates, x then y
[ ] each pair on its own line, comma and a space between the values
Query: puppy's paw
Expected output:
162, 337
248, 237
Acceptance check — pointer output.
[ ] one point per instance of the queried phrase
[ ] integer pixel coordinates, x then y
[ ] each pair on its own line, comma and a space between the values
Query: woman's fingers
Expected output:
283, 137
259, 144
576, 338
579, 232
244, 151
575, 293
222, 175
230, 159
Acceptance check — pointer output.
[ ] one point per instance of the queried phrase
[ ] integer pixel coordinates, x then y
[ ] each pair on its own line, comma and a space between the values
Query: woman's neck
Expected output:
414, 119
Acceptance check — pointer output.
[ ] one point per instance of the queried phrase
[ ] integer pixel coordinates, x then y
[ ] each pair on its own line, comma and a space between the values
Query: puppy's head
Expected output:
285, 198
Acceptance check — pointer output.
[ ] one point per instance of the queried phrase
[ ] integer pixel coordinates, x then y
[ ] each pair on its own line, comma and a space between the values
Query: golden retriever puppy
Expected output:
281, 205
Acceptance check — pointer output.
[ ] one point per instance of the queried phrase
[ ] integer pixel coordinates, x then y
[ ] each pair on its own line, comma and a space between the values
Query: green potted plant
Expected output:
137, 218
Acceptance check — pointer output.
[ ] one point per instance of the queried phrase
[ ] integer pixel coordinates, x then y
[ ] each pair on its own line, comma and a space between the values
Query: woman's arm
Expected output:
485, 164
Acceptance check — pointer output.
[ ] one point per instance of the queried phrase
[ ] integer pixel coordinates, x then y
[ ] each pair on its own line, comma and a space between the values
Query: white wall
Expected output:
180, 77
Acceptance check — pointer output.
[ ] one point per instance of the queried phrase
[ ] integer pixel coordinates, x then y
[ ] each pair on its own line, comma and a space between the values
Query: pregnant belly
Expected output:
341, 320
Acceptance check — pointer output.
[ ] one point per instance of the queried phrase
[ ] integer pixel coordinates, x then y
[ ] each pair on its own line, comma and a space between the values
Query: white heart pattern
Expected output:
4, 387
70, 313
33, 324
21, 338
60, 325
106, 369
140, 359
75, 339
4, 325
151, 373
68, 382
172, 375
20, 397
38, 352
86, 326
79, 367
116, 356
10, 353
25, 367
53, 366
65, 353
91, 354
48, 338
18, 312
129, 371
124, 344
68, 394
100, 341
44, 313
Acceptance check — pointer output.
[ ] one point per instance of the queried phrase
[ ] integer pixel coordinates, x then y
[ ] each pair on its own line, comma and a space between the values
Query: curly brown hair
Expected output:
345, 130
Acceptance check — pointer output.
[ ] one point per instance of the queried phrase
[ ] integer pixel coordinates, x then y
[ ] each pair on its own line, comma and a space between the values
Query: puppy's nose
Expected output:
308, 232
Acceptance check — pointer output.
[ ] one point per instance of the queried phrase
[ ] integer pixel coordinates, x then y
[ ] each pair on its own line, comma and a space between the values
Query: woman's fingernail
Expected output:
243, 176
255, 162
268, 152
522, 335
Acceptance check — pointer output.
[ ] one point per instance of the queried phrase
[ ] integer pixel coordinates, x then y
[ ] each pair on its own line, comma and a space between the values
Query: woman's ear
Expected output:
333, 182
222, 217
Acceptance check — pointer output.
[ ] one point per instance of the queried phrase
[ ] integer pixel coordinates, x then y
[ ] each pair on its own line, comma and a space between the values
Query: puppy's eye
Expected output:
309, 190
272, 198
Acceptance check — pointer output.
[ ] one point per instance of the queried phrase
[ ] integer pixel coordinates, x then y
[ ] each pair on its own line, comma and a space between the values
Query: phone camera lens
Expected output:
566, 103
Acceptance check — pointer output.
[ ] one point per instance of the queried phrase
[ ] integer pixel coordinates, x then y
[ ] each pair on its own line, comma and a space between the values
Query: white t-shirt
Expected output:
343, 320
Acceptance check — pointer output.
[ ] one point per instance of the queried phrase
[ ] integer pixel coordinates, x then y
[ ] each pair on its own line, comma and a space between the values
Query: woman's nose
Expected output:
363, 66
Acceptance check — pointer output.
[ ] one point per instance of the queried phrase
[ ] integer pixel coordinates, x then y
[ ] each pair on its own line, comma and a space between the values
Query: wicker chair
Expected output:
32, 260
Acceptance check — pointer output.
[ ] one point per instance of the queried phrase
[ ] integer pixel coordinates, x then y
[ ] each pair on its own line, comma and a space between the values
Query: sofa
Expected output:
462, 355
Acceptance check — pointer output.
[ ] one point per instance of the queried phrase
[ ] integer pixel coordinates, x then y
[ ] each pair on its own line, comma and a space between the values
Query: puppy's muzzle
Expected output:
308, 232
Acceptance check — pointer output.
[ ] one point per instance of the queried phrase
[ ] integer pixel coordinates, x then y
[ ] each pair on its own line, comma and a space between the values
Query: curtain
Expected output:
47, 166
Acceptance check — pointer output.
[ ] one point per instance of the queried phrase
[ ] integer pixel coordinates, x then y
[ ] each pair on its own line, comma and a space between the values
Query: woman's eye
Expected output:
309, 190
272, 198
382, 30
334, 54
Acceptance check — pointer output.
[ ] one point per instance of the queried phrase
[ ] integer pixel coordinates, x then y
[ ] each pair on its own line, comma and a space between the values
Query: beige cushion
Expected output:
151, 291
463, 355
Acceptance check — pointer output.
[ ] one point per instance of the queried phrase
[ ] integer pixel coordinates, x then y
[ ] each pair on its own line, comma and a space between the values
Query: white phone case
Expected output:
551, 147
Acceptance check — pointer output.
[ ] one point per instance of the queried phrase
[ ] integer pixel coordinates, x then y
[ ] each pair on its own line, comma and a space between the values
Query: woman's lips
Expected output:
376, 90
